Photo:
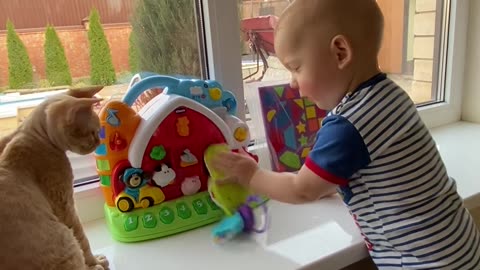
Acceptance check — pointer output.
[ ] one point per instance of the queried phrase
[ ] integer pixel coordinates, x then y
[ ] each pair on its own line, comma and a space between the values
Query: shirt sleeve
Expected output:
339, 151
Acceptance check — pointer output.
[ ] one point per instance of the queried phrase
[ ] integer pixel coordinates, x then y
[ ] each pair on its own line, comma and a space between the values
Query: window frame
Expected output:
451, 72
223, 51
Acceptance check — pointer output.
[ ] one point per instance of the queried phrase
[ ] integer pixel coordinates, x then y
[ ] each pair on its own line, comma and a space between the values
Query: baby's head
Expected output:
329, 46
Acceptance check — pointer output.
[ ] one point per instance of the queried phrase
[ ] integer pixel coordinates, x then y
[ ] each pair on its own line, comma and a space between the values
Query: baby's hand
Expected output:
237, 167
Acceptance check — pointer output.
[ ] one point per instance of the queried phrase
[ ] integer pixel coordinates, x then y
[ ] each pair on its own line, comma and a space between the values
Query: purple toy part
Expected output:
248, 217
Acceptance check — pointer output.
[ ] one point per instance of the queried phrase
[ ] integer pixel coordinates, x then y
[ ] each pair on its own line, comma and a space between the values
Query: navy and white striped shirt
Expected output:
391, 176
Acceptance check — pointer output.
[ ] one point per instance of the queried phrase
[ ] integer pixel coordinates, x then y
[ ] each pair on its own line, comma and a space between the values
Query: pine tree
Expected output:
20, 72
133, 60
166, 37
102, 71
57, 69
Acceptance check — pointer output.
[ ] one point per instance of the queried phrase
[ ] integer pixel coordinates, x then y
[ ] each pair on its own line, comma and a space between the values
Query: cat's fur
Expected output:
39, 227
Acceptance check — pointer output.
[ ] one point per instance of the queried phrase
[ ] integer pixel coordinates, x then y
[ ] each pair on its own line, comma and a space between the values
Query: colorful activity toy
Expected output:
291, 124
151, 163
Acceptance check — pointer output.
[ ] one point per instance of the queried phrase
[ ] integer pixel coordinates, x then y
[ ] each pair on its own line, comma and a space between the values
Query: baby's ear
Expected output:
84, 92
81, 109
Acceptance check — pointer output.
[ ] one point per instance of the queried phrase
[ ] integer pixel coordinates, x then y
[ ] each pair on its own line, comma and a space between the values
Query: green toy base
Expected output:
161, 220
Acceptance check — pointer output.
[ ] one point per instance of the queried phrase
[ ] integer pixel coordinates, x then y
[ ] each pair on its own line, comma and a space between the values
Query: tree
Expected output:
57, 69
20, 72
133, 61
101, 66
166, 37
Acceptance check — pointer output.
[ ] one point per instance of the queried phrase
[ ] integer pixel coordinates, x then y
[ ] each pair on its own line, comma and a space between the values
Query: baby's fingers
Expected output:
226, 181
229, 156
221, 164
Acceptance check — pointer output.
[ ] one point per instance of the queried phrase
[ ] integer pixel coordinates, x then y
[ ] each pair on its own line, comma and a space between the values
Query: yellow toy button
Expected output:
215, 93
240, 134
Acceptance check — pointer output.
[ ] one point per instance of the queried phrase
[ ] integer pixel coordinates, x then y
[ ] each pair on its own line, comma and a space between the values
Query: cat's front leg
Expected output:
5, 140
90, 259
71, 219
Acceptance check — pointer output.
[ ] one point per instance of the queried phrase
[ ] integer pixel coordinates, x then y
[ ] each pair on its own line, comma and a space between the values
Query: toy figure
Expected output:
134, 180
191, 185
164, 177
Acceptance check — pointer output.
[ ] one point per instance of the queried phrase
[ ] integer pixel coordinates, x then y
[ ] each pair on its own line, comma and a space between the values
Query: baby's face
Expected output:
313, 66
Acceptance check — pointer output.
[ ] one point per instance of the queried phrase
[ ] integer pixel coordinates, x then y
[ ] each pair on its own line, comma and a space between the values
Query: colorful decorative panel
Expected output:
291, 123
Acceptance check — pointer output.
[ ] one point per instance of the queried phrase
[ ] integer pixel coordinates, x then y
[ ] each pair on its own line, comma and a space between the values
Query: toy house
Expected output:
151, 164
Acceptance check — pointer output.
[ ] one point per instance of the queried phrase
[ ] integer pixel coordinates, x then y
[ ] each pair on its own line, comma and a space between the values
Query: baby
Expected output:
373, 147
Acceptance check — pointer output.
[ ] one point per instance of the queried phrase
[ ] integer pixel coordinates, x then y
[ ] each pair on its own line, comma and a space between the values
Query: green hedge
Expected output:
102, 71
20, 72
57, 69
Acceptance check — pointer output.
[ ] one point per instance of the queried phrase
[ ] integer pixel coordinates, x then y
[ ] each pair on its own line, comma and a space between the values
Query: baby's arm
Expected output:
338, 153
291, 188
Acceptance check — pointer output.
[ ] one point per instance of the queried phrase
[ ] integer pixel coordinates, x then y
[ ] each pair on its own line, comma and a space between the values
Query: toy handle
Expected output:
146, 84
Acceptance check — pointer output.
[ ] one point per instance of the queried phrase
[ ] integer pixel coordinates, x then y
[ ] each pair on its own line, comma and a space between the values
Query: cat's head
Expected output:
71, 124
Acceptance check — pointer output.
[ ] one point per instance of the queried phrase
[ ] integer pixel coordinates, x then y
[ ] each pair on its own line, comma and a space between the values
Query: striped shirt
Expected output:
391, 176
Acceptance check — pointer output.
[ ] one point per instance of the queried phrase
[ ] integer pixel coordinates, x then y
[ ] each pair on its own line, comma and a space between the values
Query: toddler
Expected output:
373, 147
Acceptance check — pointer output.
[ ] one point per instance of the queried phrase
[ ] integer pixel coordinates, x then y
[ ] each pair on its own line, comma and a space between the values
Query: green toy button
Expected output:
200, 207
131, 223
149, 220
158, 153
211, 203
166, 215
183, 210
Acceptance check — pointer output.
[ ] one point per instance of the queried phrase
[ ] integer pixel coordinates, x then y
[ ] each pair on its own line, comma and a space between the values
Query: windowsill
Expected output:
322, 234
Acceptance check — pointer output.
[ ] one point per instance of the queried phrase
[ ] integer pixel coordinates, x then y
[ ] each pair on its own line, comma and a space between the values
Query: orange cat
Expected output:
39, 227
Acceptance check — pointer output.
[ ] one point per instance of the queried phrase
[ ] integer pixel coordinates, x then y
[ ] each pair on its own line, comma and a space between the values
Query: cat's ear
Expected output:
84, 92
80, 110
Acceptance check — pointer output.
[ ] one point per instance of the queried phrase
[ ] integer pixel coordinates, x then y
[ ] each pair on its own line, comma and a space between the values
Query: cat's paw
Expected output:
96, 267
101, 263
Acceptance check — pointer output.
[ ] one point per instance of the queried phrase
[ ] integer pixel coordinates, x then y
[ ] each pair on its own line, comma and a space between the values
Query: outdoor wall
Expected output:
423, 49
75, 42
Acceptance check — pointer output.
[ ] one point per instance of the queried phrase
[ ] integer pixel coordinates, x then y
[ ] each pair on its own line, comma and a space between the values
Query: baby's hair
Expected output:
359, 20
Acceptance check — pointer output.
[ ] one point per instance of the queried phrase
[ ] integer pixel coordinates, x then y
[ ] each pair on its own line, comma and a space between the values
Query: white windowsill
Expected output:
322, 234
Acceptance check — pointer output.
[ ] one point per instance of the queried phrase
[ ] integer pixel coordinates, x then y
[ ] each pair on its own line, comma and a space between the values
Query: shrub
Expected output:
101, 66
133, 61
20, 72
57, 69
166, 37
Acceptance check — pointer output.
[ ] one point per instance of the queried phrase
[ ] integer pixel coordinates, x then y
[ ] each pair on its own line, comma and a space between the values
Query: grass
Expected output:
44, 86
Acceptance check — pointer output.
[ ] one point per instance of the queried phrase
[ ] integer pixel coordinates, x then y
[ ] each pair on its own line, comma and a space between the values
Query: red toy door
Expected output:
174, 154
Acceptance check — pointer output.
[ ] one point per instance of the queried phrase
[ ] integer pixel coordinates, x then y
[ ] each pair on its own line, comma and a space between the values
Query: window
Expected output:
212, 34
417, 38
63, 48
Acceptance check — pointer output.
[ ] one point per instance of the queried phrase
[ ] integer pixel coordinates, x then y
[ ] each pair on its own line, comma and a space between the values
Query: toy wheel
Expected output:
125, 204
146, 202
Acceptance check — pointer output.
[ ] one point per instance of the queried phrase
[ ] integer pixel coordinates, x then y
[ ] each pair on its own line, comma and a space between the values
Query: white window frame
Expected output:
224, 64
450, 110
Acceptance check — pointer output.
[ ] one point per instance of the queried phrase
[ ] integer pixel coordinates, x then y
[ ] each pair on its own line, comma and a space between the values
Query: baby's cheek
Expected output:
307, 88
